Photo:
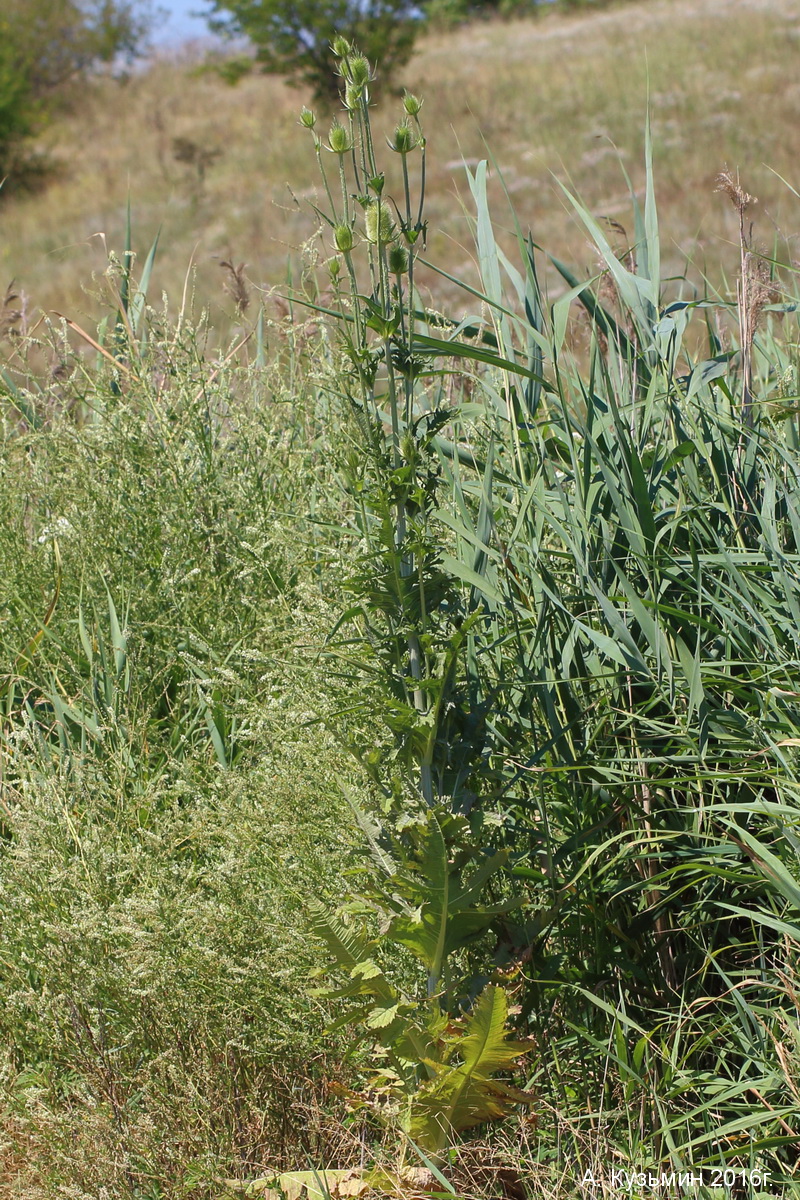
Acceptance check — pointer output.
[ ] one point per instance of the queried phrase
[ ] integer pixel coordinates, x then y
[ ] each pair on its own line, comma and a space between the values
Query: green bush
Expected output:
294, 37
46, 45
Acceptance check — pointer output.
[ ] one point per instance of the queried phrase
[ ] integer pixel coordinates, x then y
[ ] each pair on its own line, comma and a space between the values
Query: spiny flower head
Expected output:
352, 96
398, 260
339, 140
378, 222
358, 70
403, 140
411, 104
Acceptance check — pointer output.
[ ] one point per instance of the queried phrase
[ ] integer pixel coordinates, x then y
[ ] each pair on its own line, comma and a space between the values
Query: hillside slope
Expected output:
563, 95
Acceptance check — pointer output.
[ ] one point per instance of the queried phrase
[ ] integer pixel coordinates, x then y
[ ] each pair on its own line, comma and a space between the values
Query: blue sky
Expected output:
180, 24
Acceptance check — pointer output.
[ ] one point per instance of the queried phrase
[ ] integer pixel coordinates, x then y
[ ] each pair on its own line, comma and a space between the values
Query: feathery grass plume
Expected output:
235, 284
754, 289
10, 314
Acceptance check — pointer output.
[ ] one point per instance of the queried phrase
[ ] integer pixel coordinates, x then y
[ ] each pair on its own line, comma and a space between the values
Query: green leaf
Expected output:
463, 1096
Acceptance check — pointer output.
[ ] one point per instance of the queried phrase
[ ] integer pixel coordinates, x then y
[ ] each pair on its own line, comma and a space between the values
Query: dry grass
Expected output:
566, 95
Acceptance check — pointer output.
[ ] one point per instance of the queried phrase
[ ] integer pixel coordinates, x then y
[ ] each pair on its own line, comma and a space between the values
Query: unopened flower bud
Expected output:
308, 118
398, 260
341, 47
378, 222
411, 104
403, 140
352, 96
343, 238
339, 139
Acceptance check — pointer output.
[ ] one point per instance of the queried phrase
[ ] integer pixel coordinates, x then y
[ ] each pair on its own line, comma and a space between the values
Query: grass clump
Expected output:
165, 814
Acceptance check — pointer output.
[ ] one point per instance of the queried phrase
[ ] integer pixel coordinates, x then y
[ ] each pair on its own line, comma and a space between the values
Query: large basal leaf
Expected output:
337, 1184
484, 1046
467, 1095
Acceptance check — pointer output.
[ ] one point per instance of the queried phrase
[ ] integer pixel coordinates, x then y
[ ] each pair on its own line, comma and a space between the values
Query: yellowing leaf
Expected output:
338, 1184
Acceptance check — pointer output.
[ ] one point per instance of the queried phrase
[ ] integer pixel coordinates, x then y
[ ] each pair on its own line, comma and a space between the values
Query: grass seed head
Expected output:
731, 187
758, 291
10, 314
236, 285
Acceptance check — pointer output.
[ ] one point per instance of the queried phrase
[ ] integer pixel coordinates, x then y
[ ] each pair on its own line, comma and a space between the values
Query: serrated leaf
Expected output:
466, 1095
368, 969
380, 1018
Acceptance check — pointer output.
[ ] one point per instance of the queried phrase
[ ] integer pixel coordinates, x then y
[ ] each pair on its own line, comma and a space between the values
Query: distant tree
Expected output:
293, 37
46, 44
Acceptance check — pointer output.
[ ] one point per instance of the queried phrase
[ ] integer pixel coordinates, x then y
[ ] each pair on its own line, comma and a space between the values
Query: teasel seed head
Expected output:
308, 119
379, 224
343, 238
403, 140
358, 70
398, 260
352, 96
411, 104
339, 140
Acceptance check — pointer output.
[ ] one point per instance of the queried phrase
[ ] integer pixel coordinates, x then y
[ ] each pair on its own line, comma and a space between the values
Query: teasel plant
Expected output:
419, 612
376, 242
436, 883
